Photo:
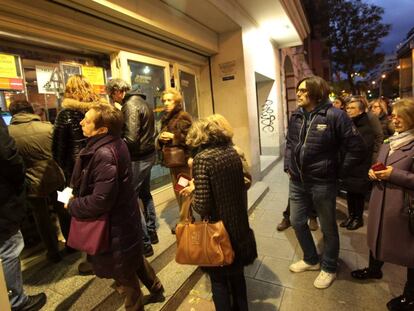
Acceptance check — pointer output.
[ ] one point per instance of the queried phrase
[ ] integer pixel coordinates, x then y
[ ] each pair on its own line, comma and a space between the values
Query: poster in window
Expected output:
96, 76
69, 70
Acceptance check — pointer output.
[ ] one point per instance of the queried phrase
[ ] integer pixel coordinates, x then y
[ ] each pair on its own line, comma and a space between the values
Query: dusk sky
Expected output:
398, 13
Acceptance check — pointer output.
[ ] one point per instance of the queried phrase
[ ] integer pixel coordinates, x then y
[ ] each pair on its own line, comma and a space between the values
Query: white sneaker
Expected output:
324, 279
302, 266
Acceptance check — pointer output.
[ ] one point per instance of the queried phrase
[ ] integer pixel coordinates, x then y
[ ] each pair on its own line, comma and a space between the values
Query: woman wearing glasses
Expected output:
379, 108
388, 234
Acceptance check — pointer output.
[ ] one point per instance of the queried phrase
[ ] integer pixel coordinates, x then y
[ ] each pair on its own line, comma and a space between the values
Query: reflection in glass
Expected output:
189, 91
149, 80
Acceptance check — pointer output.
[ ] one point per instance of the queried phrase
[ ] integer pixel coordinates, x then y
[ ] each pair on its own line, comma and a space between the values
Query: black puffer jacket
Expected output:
68, 137
12, 190
312, 147
357, 177
139, 129
220, 194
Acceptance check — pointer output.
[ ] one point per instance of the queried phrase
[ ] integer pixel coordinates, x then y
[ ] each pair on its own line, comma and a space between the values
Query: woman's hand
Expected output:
166, 136
371, 175
385, 174
187, 191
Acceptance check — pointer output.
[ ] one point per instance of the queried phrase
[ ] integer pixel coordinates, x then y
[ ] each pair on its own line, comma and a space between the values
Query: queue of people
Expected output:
105, 152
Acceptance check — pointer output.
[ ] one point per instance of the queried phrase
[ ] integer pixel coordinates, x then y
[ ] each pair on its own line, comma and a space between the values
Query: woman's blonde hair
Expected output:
178, 99
206, 132
222, 123
80, 89
381, 103
405, 109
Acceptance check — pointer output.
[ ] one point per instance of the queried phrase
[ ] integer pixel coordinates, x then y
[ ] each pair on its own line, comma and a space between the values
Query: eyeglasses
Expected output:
301, 91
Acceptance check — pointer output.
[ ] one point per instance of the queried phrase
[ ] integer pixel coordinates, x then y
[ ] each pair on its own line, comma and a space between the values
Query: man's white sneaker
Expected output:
302, 266
324, 279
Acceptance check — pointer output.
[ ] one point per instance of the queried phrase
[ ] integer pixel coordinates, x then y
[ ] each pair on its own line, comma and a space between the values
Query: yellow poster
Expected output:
95, 75
7, 66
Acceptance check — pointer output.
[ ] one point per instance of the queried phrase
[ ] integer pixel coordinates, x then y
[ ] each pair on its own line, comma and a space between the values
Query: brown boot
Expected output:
284, 224
313, 224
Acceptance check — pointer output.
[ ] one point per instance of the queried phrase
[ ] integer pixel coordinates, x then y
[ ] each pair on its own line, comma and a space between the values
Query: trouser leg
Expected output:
238, 290
299, 203
133, 296
44, 224
9, 255
148, 277
220, 289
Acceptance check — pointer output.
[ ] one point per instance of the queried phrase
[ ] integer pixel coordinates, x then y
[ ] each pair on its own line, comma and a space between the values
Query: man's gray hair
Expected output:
117, 85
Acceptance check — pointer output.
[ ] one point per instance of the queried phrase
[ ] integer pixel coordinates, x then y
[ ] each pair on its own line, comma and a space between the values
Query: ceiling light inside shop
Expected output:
146, 70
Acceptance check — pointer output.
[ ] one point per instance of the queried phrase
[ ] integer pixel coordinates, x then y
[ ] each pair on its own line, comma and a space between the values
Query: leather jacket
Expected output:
139, 126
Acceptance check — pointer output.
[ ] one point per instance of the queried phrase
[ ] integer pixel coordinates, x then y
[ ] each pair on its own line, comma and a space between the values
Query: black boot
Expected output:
366, 274
355, 223
401, 303
346, 222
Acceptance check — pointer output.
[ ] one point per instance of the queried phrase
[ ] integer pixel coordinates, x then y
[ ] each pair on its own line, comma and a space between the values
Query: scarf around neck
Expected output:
400, 140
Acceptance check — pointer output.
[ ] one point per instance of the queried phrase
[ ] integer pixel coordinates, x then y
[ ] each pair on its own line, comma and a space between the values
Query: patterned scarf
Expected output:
400, 140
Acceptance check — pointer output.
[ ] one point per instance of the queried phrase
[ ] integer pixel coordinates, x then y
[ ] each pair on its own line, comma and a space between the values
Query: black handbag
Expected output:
409, 200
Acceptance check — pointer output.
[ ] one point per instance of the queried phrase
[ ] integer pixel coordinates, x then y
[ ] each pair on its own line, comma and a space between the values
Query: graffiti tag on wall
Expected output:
267, 117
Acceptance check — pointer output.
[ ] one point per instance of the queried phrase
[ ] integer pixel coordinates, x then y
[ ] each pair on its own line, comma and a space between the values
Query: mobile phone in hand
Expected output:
379, 166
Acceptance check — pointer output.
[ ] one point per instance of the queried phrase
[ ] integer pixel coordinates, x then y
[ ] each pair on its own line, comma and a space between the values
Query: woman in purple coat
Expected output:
389, 237
102, 185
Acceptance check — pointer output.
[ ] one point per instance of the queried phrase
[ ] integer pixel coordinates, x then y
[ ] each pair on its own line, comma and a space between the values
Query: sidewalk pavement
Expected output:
270, 284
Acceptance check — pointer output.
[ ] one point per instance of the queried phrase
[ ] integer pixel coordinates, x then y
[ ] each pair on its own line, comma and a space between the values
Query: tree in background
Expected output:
353, 30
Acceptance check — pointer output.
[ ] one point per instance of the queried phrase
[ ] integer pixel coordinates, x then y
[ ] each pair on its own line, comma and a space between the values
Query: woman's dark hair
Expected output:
20, 106
110, 117
318, 89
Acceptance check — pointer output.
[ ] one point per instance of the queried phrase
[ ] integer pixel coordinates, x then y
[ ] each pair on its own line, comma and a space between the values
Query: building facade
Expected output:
224, 55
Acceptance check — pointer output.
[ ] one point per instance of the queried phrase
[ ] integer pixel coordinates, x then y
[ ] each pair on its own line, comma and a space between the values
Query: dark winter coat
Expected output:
378, 135
312, 146
389, 238
139, 129
102, 184
12, 186
178, 123
220, 194
386, 125
34, 141
356, 179
68, 137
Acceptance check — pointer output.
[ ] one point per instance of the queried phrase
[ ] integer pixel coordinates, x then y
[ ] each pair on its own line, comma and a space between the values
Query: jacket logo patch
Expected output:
321, 127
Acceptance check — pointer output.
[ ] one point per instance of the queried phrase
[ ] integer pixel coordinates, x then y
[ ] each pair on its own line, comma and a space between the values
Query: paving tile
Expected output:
263, 296
273, 247
250, 271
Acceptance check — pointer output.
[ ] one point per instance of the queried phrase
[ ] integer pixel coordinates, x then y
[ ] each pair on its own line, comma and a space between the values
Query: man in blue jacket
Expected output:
12, 213
317, 132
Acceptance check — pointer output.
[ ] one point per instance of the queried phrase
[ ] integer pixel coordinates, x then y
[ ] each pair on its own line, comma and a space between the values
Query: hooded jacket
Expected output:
34, 141
313, 145
139, 126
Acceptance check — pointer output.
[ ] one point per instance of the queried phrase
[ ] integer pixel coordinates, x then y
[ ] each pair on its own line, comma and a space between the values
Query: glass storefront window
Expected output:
149, 79
189, 91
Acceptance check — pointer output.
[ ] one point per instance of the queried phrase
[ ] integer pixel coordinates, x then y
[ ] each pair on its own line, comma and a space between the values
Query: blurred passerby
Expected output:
12, 212
220, 194
34, 141
339, 103
380, 109
102, 184
356, 182
139, 135
316, 134
389, 236
175, 124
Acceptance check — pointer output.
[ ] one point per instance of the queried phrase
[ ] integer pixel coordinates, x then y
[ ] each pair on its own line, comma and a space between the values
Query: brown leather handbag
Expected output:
173, 156
203, 243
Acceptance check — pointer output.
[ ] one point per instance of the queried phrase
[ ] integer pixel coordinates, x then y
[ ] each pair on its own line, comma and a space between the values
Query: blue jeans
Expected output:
323, 198
9, 254
141, 171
